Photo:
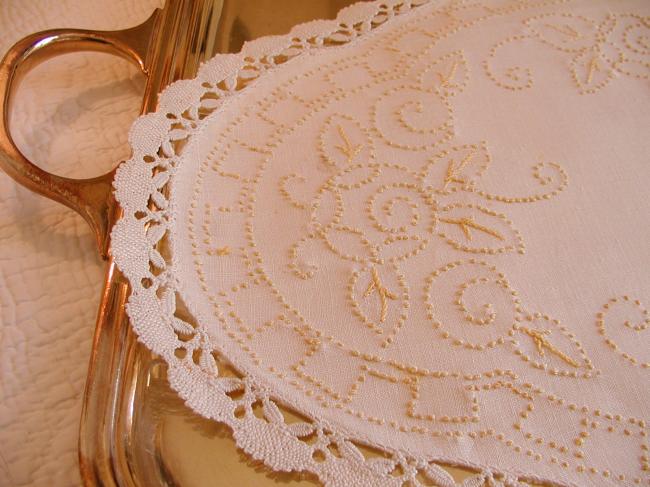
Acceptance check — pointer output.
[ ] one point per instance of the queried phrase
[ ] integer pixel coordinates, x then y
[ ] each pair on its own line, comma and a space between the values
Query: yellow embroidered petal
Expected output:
343, 141
448, 74
567, 32
454, 168
591, 71
378, 295
472, 228
546, 344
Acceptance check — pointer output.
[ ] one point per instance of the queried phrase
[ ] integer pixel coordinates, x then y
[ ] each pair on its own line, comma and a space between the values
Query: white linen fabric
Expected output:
72, 115
422, 226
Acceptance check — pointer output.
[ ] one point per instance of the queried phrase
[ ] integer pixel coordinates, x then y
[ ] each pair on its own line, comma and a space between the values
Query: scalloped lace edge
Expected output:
141, 183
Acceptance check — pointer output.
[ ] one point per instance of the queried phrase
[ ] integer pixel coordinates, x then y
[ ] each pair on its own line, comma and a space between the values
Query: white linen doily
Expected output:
422, 226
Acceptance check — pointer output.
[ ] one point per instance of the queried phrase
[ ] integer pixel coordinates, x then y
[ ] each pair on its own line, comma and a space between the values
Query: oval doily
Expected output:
422, 228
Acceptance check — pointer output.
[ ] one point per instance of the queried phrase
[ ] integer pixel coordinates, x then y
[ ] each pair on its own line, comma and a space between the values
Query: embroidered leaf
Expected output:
379, 298
566, 32
473, 228
547, 345
591, 71
376, 286
343, 141
148, 132
455, 168
349, 243
447, 74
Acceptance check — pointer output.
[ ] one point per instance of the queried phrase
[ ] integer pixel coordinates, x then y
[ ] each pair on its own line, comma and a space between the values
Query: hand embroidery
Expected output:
445, 79
384, 294
349, 150
541, 342
453, 172
468, 222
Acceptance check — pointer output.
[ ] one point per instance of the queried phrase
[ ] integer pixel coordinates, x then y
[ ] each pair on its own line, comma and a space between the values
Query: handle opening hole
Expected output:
71, 114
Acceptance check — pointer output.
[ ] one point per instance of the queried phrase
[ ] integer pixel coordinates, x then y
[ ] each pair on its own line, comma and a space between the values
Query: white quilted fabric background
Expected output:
72, 115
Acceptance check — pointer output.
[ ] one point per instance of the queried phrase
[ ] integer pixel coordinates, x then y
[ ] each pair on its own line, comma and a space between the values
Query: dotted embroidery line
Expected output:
356, 307
591, 45
356, 185
469, 226
543, 365
642, 326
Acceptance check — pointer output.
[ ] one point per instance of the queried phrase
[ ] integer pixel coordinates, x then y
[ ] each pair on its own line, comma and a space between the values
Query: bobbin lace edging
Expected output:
141, 235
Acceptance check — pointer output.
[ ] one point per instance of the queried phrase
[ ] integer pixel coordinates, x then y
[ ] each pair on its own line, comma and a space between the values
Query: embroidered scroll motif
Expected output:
354, 241
598, 49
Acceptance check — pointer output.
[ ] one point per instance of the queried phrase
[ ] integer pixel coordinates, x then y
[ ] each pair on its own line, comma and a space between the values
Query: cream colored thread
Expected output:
585, 84
593, 66
437, 135
350, 151
384, 294
587, 368
466, 223
444, 79
566, 30
541, 342
285, 192
524, 80
452, 172
516, 242
220, 251
602, 328
561, 182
